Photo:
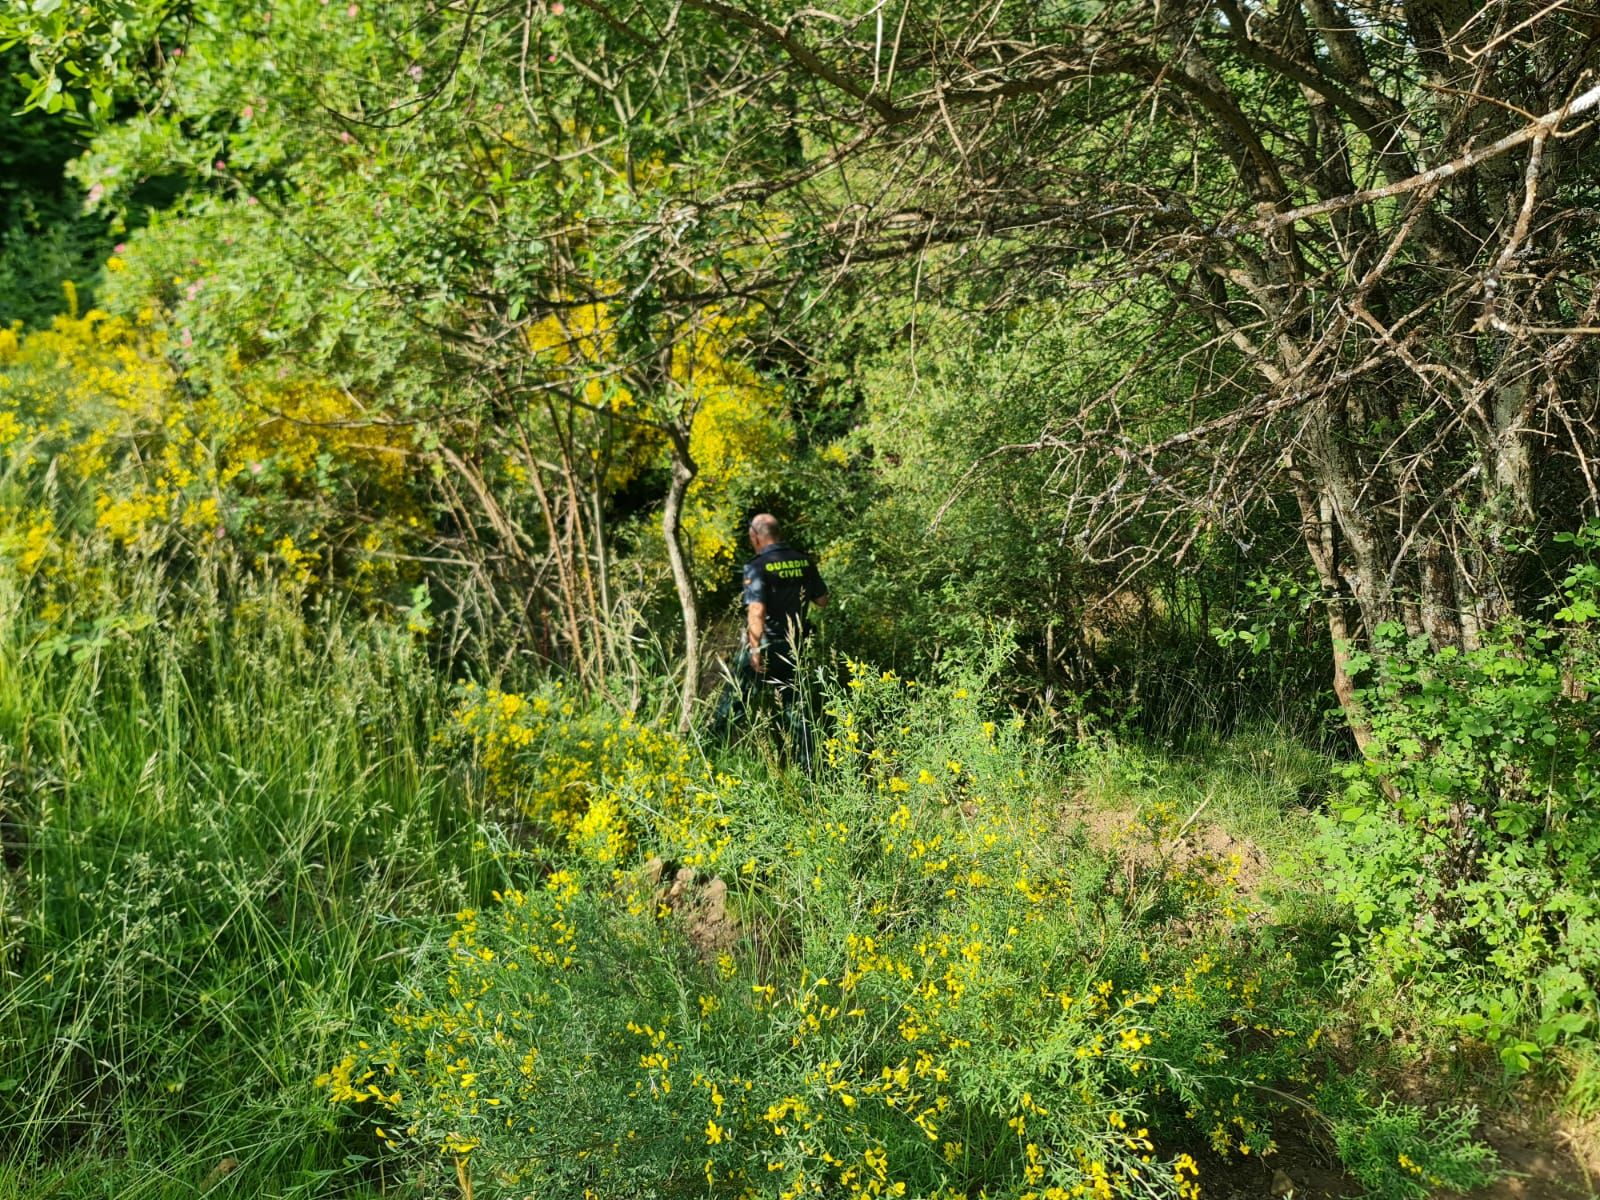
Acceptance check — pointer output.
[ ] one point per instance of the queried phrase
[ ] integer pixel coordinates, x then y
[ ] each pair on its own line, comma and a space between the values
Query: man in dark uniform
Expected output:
780, 584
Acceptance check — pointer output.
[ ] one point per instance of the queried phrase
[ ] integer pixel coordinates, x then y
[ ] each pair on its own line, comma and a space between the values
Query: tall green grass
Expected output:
220, 834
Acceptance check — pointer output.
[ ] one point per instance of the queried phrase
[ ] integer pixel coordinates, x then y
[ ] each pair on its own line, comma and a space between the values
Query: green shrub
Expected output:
1465, 844
920, 983
1396, 1152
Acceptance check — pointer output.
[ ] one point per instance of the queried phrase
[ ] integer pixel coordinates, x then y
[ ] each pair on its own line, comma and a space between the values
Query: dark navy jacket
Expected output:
786, 581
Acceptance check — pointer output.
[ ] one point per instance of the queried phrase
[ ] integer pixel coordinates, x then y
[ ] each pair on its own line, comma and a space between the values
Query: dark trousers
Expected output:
749, 689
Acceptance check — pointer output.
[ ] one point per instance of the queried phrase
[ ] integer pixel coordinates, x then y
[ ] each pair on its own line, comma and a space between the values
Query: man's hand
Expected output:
755, 629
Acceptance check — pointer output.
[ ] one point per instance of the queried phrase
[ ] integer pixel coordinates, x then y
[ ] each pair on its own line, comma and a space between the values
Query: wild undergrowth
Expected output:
289, 915
912, 975
1465, 841
222, 832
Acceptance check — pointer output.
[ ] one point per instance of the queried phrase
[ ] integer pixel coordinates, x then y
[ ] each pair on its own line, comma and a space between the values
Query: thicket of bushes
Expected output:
334, 601
1464, 842
908, 977
204, 540
238, 833
231, 760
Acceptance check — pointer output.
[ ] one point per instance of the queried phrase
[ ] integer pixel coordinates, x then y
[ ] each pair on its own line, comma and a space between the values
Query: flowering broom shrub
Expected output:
595, 785
109, 454
929, 987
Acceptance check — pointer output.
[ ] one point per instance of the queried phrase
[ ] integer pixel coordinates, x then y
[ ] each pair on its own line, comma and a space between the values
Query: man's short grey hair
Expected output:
765, 525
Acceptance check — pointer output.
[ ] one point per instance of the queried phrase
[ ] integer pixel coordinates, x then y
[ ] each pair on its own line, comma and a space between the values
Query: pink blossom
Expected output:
414, 70
220, 165
120, 248
352, 10
344, 136
249, 200
247, 111
186, 338
97, 191
557, 8
257, 467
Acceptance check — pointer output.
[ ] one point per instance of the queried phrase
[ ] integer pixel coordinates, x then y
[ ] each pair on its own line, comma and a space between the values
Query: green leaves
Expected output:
1472, 825
79, 52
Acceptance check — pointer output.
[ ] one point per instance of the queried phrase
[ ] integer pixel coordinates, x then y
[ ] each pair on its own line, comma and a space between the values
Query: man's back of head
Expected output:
764, 530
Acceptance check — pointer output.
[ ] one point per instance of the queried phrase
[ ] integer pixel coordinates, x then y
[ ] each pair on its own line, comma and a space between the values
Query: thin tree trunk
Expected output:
569, 610
579, 541
1319, 532
683, 473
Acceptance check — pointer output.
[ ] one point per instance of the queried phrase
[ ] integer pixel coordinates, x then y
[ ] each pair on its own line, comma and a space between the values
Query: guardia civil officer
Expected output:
780, 585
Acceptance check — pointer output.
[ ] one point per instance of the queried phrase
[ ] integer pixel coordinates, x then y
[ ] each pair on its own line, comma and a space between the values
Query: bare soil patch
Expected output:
701, 904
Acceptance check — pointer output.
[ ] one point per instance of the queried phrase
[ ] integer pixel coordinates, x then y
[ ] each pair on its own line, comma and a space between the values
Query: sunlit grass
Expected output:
221, 835
1262, 785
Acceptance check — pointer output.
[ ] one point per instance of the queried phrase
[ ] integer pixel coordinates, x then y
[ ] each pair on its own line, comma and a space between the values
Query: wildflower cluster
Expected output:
934, 990
739, 438
117, 452
597, 784
70, 397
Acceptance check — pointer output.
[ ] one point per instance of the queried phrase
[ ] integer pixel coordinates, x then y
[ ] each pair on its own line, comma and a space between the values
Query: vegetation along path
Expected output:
1183, 784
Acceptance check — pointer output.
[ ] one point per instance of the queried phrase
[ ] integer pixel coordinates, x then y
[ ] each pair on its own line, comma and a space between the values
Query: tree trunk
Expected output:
683, 473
